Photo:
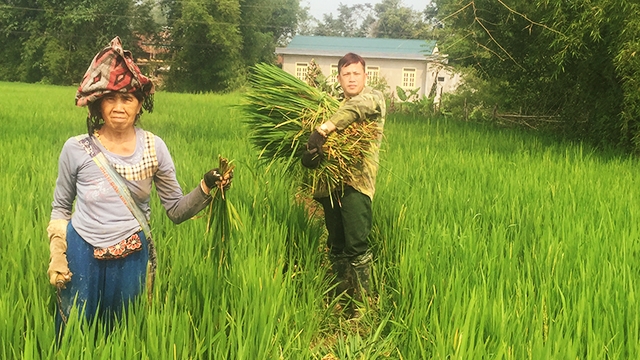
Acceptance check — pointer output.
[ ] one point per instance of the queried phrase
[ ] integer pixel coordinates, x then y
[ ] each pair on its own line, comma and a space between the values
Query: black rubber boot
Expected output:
342, 278
361, 268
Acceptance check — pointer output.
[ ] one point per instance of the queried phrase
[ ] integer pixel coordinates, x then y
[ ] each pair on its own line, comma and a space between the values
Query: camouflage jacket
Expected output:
369, 106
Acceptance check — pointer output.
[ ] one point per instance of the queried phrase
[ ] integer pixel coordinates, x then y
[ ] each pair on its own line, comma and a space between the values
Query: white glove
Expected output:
58, 272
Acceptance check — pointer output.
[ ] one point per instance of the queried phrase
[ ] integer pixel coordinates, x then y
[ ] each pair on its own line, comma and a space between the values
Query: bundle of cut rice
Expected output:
282, 111
222, 217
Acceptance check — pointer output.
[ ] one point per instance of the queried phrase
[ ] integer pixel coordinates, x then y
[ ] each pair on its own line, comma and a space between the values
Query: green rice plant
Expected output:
490, 244
494, 228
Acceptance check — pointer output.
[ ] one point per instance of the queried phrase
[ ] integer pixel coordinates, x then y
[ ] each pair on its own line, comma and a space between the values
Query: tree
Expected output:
75, 32
396, 21
16, 17
207, 43
265, 24
571, 60
306, 23
212, 42
352, 21
216, 41
627, 63
53, 41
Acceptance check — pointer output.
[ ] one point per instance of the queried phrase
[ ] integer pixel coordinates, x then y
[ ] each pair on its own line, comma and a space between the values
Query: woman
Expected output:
100, 251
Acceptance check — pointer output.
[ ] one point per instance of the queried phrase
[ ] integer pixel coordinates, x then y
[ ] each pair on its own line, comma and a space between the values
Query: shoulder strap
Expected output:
116, 181
118, 184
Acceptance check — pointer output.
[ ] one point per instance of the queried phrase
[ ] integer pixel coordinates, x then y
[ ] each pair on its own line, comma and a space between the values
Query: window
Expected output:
440, 78
373, 74
301, 71
333, 74
408, 78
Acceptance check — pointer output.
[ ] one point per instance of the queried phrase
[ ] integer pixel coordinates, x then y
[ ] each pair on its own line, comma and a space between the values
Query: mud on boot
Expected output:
361, 269
342, 283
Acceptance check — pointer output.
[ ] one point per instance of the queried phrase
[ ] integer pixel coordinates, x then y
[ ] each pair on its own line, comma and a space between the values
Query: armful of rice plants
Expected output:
282, 112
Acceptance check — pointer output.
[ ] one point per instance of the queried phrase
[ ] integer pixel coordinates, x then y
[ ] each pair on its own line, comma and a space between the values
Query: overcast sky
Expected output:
317, 8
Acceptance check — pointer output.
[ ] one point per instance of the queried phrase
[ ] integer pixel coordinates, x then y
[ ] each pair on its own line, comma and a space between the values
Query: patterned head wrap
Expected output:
113, 70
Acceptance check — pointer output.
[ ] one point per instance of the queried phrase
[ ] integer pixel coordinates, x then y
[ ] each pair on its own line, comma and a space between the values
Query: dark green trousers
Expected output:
348, 222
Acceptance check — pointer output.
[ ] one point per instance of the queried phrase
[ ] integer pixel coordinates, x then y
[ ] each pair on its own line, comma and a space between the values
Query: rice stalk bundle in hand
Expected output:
223, 216
282, 111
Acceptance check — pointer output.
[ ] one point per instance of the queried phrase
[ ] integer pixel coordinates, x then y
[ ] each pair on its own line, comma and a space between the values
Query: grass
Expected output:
489, 243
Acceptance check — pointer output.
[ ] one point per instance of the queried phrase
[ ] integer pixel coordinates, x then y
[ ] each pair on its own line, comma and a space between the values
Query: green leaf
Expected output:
401, 93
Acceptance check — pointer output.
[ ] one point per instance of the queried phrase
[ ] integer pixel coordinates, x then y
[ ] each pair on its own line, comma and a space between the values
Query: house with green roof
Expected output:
409, 64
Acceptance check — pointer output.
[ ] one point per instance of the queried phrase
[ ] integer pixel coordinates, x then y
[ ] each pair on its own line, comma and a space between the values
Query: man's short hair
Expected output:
349, 59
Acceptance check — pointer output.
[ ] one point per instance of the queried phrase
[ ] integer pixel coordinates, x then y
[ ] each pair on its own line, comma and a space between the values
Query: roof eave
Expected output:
364, 54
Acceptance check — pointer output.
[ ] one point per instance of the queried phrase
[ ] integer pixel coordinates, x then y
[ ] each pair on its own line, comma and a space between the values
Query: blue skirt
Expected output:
100, 287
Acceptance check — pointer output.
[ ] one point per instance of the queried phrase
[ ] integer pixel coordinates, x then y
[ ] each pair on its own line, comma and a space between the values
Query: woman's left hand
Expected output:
213, 179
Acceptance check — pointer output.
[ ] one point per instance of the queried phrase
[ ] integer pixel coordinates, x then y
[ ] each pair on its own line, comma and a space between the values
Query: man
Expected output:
348, 215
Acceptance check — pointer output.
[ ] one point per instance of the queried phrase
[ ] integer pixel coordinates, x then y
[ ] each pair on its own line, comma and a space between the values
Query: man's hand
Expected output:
316, 140
312, 157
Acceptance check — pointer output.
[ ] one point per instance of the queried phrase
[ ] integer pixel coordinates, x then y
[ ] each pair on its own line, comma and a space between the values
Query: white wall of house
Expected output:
396, 72
440, 79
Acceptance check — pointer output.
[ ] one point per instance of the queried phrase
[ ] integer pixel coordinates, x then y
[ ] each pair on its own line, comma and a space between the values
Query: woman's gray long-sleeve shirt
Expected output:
100, 216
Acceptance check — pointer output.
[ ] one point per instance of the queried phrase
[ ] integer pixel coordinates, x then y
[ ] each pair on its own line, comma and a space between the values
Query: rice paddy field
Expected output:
489, 243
